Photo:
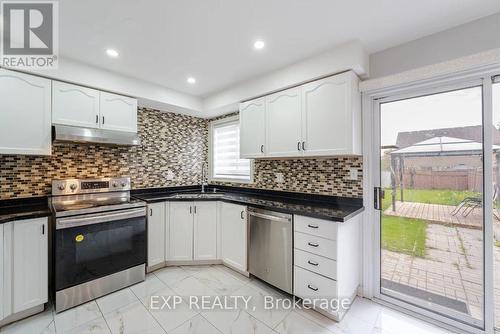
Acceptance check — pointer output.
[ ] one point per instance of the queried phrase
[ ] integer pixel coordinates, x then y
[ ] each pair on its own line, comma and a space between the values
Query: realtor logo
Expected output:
29, 34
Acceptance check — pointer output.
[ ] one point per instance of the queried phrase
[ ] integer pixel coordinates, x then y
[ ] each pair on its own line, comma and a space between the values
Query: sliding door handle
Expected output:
378, 196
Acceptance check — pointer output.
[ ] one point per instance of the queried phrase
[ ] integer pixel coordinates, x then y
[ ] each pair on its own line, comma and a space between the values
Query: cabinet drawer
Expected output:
316, 245
316, 263
318, 227
310, 285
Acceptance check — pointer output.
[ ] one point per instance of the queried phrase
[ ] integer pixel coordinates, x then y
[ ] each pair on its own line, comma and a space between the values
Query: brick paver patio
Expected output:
452, 266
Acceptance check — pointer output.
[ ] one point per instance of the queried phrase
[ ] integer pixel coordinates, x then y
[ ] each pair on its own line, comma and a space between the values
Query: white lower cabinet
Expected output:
327, 263
2, 272
234, 231
205, 231
24, 266
192, 231
180, 244
156, 233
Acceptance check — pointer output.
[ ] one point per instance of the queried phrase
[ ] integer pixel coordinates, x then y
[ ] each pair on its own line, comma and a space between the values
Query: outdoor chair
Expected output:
469, 204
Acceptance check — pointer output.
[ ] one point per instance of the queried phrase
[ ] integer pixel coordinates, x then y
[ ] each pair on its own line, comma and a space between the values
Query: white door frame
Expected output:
371, 226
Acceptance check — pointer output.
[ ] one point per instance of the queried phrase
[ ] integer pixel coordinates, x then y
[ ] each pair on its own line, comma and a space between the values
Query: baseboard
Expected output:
21, 315
244, 273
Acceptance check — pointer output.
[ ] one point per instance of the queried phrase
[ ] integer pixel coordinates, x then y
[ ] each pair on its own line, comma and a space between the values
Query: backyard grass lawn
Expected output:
431, 196
404, 235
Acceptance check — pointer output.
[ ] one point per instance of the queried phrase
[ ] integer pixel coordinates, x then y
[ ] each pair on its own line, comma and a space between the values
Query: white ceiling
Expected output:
165, 41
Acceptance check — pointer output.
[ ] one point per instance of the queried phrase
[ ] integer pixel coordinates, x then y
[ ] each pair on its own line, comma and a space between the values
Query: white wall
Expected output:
464, 40
348, 56
148, 94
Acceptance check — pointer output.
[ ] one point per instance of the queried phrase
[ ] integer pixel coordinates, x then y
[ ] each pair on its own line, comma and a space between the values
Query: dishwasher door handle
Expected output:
269, 217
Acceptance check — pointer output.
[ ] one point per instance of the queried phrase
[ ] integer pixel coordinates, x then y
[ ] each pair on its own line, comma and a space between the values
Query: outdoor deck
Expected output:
436, 213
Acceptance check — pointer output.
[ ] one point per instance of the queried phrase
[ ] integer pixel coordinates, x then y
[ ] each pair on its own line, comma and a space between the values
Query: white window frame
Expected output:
371, 232
231, 119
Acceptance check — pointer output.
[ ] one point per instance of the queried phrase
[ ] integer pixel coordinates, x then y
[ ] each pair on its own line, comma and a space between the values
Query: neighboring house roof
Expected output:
443, 146
474, 133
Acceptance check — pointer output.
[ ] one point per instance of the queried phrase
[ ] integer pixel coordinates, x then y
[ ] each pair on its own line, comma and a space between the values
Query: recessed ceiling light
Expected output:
191, 80
112, 53
259, 44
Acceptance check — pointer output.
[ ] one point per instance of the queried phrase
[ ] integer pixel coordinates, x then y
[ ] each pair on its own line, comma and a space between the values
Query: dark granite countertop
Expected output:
332, 208
23, 208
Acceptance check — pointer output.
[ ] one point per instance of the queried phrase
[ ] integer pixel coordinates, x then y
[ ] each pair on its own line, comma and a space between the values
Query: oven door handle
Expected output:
69, 222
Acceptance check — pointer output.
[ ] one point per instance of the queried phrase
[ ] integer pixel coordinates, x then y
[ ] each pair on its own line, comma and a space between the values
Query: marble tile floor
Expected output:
130, 311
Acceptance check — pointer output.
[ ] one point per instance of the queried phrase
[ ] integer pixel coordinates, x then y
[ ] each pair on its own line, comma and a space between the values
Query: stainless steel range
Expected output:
99, 239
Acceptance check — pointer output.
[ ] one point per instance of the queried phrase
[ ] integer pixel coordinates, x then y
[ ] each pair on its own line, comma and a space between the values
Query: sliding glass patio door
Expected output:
431, 201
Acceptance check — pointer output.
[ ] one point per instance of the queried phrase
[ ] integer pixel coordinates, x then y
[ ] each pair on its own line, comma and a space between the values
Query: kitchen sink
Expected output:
197, 196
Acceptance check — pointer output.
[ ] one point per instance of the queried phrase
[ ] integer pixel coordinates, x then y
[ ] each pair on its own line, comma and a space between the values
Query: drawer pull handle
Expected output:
313, 226
312, 245
312, 287
312, 263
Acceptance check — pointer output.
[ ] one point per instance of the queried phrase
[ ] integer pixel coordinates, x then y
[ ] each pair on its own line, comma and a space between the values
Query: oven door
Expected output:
93, 246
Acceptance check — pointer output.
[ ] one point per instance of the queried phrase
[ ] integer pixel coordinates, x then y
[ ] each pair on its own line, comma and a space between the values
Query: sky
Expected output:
444, 110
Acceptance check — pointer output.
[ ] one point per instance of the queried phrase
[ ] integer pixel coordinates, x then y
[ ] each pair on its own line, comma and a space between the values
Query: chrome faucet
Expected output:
203, 177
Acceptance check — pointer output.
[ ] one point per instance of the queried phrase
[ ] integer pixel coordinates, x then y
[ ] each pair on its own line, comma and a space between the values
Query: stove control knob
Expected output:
61, 187
73, 186
115, 184
124, 184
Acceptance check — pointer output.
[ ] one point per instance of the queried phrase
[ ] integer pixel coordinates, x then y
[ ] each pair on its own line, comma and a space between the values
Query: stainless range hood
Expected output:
63, 133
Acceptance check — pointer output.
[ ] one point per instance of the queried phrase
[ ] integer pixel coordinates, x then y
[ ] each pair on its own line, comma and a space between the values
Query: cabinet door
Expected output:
284, 124
2, 273
25, 109
253, 128
75, 105
118, 112
328, 116
234, 235
205, 230
181, 231
156, 233
30, 263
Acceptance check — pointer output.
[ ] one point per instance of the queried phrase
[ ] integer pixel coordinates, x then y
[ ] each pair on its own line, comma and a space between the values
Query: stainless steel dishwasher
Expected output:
270, 247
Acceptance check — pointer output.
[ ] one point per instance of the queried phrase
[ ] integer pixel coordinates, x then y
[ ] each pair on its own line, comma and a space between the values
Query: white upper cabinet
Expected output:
320, 118
90, 108
283, 123
118, 112
156, 234
180, 231
75, 105
30, 264
25, 109
253, 133
331, 116
205, 231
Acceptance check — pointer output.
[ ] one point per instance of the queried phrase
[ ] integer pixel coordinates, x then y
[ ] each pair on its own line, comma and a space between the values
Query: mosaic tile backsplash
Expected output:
169, 142
173, 146
329, 176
